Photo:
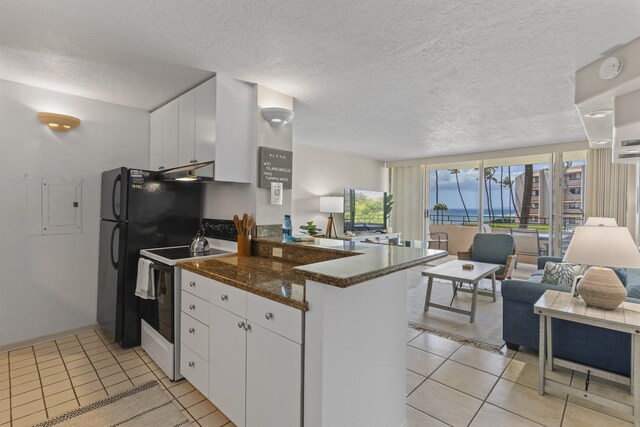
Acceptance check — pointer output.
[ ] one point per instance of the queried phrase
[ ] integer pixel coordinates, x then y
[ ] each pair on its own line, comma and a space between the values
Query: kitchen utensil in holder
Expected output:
244, 245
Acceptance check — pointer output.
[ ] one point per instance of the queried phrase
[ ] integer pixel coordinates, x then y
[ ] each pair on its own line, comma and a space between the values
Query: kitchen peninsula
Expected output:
301, 333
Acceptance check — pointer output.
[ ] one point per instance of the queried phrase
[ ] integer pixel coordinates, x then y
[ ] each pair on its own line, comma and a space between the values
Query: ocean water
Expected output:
458, 216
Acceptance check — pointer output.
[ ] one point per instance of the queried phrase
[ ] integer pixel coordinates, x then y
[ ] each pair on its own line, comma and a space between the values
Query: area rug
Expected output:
485, 332
144, 405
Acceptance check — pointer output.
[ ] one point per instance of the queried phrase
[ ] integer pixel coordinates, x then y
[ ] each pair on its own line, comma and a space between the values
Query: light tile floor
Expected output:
53, 377
459, 385
447, 384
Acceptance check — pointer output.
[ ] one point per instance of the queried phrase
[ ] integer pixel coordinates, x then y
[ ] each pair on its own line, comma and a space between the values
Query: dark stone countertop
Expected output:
267, 277
333, 262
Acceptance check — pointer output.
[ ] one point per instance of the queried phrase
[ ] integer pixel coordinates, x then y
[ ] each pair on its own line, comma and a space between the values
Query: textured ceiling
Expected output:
387, 79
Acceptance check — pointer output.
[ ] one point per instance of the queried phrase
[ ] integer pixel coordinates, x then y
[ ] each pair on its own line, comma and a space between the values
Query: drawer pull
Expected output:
192, 284
192, 306
192, 364
192, 330
241, 324
224, 298
268, 316
247, 327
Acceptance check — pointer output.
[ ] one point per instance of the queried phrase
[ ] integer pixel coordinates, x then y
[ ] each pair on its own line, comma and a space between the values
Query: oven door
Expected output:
159, 313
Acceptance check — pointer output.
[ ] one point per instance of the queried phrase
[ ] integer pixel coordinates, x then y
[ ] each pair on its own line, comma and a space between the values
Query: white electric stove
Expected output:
161, 317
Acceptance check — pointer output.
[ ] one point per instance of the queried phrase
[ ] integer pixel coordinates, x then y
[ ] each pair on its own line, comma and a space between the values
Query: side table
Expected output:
626, 318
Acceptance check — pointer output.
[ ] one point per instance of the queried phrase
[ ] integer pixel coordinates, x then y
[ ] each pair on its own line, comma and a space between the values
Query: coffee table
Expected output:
453, 271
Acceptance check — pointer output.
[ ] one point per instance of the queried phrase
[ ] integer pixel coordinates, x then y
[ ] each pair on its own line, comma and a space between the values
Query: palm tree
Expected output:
489, 173
456, 172
526, 195
488, 178
501, 195
508, 183
440, 209
437, 201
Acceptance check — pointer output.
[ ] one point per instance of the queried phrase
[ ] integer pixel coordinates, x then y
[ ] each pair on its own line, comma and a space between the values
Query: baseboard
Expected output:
27, 343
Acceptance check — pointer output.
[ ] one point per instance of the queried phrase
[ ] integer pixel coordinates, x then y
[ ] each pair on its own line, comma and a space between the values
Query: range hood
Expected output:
195, 172
607, 96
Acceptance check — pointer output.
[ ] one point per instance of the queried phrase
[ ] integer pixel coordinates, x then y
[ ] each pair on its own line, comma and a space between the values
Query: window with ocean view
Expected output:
517, 193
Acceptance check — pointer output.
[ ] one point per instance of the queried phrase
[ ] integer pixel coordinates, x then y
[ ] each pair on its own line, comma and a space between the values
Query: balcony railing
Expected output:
540, 222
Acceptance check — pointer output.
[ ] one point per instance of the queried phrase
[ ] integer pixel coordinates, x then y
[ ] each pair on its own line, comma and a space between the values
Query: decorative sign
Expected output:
275, 166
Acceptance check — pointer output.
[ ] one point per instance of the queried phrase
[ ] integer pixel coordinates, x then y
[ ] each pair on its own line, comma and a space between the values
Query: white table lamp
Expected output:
599, 246
331, 205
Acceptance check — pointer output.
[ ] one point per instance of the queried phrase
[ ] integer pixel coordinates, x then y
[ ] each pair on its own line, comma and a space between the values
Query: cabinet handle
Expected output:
192, 330
241, 324
192, 364
193, 161
192, 307
224, 297
268, 315
161, 168
192, 284
247, 327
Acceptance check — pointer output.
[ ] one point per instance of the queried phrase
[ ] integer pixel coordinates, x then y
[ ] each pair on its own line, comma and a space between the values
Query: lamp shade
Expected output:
331, 204
605, 246
593, 221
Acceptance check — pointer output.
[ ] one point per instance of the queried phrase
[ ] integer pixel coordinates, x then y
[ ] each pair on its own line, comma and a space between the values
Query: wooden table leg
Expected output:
549, 344
427, 299
635, 374
493, 285
541, 355
474, 301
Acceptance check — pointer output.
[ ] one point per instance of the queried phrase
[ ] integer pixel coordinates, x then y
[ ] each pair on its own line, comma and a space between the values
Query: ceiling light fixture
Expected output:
602, 141
277, 117
598, 113
632, 151
58, 122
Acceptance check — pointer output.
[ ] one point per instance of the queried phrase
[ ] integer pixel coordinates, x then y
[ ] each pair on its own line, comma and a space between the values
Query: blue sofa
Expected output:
589, 345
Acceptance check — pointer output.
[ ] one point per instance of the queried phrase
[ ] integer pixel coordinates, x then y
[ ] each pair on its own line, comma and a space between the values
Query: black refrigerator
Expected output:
137, 211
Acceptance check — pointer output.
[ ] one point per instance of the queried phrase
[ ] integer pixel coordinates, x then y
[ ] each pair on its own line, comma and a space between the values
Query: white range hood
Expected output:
607, 95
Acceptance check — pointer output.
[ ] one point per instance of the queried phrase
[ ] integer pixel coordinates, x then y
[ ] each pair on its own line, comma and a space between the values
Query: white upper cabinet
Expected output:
216, 121
205, 147
235, 126
156, 135
163, 134
170, 142
187, 128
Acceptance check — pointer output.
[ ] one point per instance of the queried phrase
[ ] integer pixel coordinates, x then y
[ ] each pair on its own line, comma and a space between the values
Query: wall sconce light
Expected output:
59, 122
277, 117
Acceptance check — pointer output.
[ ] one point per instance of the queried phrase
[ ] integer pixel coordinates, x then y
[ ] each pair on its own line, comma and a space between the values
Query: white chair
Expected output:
527, 241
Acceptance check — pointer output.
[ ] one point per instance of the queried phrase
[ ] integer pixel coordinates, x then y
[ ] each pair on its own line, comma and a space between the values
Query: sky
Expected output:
448, 191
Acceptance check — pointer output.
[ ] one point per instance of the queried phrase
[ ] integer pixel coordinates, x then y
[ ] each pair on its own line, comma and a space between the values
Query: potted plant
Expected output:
311, 229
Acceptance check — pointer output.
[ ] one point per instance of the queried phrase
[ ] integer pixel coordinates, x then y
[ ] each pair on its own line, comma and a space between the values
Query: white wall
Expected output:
48, 284
318, 172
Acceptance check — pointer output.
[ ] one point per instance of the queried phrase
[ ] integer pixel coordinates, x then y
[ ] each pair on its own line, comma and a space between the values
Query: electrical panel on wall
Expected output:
61, 206
54, 206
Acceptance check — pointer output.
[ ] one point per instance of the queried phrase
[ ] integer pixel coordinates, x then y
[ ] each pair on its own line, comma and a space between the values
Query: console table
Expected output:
392, 238
626, 318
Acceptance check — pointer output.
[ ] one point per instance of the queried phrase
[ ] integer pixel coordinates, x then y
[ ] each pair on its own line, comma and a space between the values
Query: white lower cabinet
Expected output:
252, 370
274, 379
228, 359
195, 369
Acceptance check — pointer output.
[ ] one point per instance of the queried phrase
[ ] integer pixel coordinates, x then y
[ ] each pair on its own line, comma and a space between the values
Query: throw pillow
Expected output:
562, 273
